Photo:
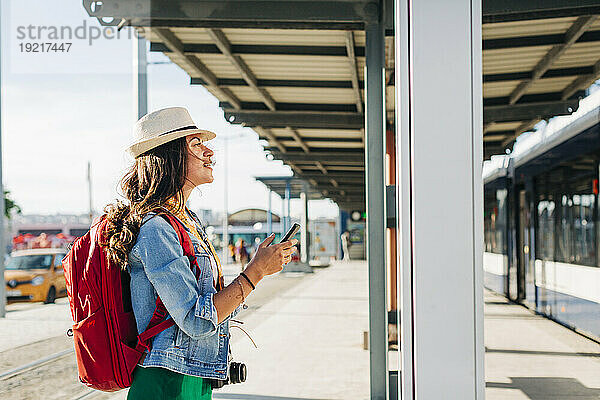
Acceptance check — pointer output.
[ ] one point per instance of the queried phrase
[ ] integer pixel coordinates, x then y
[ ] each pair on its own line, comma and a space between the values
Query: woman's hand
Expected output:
269, 259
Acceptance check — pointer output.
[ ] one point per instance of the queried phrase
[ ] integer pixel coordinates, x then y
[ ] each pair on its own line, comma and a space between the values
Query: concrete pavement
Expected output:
26, 323
309, 340
530, 357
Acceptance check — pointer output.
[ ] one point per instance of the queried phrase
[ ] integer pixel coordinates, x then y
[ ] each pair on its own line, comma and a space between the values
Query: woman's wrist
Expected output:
253, 273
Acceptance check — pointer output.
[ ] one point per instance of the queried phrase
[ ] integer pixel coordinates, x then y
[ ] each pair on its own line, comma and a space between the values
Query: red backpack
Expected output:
107, 344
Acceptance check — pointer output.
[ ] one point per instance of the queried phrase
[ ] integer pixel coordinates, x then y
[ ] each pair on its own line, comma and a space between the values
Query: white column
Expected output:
225, 235
140, 77
440, 234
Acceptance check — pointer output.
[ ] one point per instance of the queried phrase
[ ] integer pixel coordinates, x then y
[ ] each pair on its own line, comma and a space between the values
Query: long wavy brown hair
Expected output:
156, 176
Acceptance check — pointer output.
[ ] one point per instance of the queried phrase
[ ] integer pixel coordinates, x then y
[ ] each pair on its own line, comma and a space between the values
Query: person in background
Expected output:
231, 248
346, 245
241, 252
41, 242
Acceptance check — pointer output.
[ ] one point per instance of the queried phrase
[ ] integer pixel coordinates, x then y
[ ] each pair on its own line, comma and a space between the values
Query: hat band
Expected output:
180, 129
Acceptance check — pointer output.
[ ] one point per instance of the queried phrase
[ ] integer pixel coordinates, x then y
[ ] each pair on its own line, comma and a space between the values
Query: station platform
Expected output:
309, 332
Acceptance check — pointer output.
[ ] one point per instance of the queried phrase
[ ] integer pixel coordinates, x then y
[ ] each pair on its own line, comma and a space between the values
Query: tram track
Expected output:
42, 361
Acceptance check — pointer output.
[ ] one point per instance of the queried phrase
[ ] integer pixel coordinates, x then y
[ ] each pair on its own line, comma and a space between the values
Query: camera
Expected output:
237, 374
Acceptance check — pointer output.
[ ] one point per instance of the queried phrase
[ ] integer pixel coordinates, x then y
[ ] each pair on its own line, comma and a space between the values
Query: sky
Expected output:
61, 110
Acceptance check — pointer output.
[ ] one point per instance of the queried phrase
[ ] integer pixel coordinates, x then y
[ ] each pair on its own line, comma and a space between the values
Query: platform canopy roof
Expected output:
293, 70
278, 184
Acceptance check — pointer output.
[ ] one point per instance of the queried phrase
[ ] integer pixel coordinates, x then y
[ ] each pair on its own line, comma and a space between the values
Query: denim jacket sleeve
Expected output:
168, 269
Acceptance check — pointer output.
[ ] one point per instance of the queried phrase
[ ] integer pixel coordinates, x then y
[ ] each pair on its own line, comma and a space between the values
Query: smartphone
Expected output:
290, 234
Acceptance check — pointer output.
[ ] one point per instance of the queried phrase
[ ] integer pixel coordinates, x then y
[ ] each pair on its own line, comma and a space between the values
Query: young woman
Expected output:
171, 159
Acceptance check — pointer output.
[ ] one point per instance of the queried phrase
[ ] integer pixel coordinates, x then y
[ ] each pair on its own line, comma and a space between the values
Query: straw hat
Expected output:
162, 126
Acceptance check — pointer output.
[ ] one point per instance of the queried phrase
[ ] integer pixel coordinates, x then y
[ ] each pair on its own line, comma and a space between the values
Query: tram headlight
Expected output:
38, 280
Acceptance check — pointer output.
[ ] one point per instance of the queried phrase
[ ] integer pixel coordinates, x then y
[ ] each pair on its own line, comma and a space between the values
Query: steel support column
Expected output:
440, 210
270, 214
374, 173
288, 195
282, 218
304, 242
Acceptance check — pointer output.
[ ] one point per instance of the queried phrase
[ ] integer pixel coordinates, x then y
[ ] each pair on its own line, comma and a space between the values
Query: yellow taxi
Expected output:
35, 275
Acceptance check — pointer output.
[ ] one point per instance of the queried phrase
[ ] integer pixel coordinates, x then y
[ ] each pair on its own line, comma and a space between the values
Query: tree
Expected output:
10, 205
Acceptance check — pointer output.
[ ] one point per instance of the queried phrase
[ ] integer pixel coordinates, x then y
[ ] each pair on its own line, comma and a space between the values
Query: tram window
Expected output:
584, 251
563, 231
501, 221
566, 226
545, 231
494, 219
575, 230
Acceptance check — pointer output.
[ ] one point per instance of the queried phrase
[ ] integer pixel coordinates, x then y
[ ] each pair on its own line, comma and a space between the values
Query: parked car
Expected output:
35, 275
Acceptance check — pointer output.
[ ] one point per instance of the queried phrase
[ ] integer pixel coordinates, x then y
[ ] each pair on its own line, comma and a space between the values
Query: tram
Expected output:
541, 220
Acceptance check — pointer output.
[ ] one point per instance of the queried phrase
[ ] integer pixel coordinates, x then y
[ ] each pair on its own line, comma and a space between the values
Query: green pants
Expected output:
153, 383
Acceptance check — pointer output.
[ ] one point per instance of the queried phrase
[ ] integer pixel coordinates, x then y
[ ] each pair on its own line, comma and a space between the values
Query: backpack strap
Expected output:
158, 323
186, 242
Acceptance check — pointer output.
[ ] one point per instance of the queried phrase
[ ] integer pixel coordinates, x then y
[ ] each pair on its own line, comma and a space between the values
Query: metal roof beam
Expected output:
295, 119
528, 98
197, 66
340, 176
266, 49
282, 83
355, 193
538, 40
298, 139
354, 71
321, 167
575, 31
359, 51
522, 112
582, 82
324, 179
271, 138
504, 132
350, 158
317, 107
489, 138
322, 139
290, 11
517, 10
225, 47
263, 14
294, 167
551, 73
341, 193
486, 127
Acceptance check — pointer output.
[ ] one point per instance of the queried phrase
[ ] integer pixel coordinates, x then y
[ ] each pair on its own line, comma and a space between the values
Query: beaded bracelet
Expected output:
241, 290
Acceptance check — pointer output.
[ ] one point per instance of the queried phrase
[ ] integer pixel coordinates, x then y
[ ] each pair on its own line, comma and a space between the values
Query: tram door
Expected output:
525, 265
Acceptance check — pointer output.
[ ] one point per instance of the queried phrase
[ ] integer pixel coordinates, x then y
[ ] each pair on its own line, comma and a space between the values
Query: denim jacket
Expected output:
196, 345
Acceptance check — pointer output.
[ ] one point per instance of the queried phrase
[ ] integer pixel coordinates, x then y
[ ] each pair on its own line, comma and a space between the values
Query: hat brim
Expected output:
140, 148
